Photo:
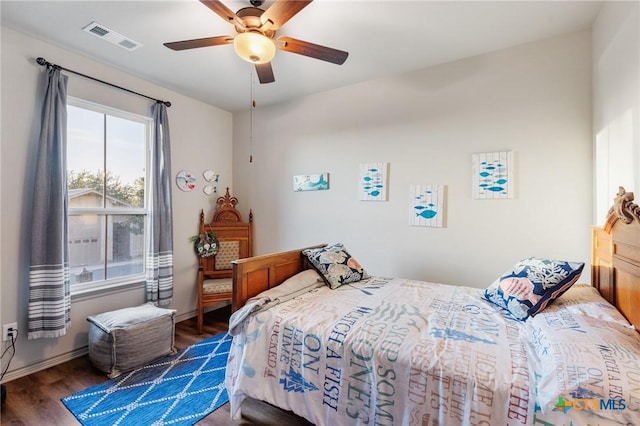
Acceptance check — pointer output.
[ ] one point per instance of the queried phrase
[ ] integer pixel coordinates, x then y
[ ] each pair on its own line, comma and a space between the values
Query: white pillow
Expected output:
583, 299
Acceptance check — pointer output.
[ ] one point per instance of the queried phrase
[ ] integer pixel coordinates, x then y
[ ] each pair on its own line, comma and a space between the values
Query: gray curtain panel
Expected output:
49, 289
159, 279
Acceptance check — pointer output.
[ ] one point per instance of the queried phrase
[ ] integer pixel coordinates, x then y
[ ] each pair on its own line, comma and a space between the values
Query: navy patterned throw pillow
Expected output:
532, 284
336, 265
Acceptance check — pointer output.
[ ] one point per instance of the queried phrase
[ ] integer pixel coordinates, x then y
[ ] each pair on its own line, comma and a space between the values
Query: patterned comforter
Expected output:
402, 352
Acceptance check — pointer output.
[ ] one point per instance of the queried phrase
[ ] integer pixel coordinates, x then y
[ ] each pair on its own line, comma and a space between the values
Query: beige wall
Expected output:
201, 137
616, 102
533, 99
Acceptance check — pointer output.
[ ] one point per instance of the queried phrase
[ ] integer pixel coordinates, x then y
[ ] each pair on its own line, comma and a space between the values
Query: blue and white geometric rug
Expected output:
178, 389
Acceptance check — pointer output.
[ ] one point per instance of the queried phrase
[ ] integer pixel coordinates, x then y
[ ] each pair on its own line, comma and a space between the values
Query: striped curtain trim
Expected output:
49, 301
159, 279
48, 273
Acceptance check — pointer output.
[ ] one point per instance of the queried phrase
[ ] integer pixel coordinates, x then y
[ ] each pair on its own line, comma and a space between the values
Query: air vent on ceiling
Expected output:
113, 37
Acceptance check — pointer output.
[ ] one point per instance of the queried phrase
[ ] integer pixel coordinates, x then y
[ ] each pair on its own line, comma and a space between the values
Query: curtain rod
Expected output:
44, 62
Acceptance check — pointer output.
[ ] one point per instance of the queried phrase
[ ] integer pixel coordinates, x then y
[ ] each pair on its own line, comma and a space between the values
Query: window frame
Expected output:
133, 280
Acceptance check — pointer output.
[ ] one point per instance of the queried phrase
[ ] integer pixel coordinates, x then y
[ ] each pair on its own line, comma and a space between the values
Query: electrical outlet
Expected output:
6, 333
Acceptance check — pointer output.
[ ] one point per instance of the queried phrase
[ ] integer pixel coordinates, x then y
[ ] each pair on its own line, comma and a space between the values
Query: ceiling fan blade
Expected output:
265, 73
280, 12
311, 50
199, 42
223, 11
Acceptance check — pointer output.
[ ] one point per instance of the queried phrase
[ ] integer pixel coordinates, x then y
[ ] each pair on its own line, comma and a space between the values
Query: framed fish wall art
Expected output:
493, 175
427, 205
373, 185
314, 182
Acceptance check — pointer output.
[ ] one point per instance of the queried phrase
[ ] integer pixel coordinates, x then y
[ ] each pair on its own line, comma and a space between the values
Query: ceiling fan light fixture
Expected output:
254, 47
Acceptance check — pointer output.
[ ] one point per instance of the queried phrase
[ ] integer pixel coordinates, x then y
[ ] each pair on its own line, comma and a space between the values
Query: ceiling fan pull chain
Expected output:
253, 105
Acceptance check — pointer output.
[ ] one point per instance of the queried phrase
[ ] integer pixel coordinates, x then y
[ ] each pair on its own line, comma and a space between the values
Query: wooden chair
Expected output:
235, 239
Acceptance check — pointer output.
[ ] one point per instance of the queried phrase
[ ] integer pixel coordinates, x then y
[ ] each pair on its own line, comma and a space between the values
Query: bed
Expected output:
391, 351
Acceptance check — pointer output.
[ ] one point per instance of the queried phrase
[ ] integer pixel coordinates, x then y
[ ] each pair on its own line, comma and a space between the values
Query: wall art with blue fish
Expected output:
314, 182
493, 175
373, 182
426, 205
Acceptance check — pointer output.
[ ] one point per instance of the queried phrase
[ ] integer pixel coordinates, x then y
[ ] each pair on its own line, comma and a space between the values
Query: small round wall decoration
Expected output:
209, 189
185, 180
210, 176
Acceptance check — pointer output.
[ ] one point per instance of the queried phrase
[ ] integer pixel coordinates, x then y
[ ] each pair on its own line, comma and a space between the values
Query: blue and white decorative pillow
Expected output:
532, 284
336, 265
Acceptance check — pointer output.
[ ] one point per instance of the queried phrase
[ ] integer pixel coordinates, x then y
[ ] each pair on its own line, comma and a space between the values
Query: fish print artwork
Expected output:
314, 182
373, 181
493, 175
426, 205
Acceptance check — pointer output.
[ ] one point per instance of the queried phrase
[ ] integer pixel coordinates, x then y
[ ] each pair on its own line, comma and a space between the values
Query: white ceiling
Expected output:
382, 38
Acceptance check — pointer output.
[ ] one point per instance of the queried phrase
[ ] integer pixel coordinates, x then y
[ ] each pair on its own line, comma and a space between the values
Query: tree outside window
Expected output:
107, 157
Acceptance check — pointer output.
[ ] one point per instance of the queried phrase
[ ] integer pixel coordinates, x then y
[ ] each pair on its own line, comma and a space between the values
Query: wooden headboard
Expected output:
257, 274
615, 257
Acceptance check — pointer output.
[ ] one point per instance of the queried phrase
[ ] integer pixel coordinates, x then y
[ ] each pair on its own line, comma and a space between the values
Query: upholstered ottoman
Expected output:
128, 338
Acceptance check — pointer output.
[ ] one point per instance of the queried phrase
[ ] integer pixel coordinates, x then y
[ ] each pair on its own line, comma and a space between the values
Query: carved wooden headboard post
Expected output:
623, 209
615, 257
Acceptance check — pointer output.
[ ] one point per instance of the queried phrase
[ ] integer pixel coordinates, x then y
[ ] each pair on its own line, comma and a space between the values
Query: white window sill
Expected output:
102, 288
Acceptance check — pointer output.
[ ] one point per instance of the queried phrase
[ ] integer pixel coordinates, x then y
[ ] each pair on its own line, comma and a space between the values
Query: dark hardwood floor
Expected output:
35, 399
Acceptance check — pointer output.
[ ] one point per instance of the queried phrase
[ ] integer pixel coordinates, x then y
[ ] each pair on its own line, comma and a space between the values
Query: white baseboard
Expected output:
49, 362
185, 316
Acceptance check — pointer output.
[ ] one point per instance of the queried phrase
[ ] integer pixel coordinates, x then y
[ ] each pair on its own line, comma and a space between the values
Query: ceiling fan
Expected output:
256, 40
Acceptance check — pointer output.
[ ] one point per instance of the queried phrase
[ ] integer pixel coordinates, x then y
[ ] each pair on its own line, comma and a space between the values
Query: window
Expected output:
107, 165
